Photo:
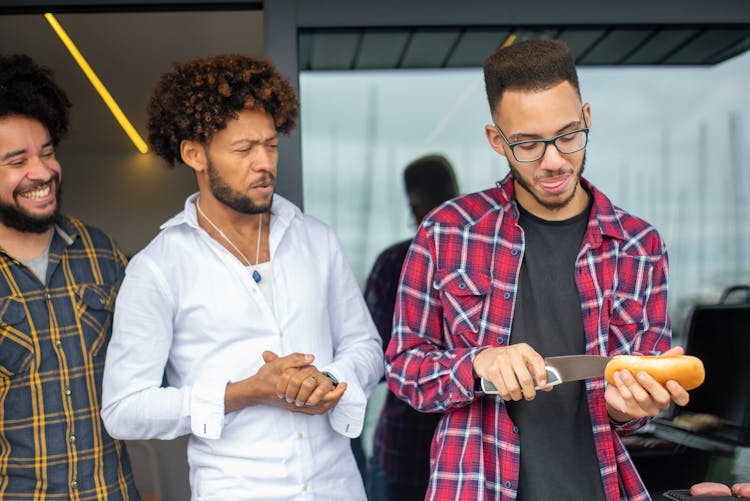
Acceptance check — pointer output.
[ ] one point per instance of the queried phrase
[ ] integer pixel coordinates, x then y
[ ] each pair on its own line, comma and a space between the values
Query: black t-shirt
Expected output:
558, 455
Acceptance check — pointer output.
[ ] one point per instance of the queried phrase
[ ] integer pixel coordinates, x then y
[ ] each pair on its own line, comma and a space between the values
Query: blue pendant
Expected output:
256, 276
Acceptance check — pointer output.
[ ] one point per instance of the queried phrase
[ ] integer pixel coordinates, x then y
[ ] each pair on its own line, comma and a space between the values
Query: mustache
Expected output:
264, 181
37, 184
563, 171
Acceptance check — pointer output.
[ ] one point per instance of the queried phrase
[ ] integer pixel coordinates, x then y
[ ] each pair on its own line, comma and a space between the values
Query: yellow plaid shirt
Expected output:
53, 339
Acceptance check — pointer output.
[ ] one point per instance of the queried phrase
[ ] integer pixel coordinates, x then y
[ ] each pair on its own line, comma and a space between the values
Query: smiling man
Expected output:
248, 304
541, 265
57, 290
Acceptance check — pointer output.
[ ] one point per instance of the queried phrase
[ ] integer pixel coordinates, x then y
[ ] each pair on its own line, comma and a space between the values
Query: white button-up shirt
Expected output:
189, 307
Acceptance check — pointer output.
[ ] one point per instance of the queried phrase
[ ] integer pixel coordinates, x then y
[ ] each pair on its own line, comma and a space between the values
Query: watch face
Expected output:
332, 378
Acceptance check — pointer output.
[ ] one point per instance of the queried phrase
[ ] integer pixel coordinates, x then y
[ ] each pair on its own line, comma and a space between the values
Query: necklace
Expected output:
256, 274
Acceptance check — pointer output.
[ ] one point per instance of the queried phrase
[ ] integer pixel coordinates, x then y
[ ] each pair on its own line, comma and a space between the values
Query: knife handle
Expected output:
553, 379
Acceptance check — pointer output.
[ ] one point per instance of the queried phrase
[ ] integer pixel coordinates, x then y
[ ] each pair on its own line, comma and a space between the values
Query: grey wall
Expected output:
128, 195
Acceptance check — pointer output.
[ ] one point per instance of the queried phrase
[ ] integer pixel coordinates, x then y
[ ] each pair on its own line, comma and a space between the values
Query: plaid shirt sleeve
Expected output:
426, 368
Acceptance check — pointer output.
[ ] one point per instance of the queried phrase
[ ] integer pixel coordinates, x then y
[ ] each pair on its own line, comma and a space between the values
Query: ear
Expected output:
496, 141
193, 154
587, 114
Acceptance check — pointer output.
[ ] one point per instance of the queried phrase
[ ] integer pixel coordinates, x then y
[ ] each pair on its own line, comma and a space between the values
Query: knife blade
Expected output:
565, 368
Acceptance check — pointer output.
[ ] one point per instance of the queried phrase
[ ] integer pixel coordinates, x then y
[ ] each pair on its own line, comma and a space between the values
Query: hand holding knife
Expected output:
687, 370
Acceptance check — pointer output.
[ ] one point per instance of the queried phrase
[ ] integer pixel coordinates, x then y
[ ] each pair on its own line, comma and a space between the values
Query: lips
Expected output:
264, 186
37, 193
554, 185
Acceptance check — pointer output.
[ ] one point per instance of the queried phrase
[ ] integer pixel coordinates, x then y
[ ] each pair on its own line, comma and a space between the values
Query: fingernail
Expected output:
280, 395
298, 403
289, 400
308, 358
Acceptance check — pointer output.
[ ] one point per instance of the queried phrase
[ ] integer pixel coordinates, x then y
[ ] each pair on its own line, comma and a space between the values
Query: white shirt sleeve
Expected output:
135, 405
357, 348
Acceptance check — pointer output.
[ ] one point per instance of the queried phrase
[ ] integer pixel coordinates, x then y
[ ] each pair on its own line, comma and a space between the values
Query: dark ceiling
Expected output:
460, 47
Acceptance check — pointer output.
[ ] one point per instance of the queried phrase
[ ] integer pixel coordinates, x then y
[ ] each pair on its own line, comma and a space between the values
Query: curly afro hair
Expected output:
28, 90
195, 100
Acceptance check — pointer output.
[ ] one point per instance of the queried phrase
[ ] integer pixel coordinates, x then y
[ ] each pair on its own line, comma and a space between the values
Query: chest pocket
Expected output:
16, 347
94, 308
465, 298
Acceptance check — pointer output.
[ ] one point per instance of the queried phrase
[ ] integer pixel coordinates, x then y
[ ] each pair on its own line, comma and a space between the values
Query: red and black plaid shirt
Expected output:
456, 297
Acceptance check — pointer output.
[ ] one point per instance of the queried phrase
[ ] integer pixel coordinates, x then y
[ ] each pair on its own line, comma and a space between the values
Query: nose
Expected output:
552, 159
37, 168
264, 158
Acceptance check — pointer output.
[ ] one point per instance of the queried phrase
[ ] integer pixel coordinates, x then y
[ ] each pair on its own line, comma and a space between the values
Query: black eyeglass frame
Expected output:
546, 142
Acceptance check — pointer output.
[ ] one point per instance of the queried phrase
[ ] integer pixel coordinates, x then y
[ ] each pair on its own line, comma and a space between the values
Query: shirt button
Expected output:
49, 296
507, 484
74, 484
304, 488
515, 429
514, 252
506, 295
281, 333
501, 339
300, 435
67, 391
72, 439
462, 286
58, 343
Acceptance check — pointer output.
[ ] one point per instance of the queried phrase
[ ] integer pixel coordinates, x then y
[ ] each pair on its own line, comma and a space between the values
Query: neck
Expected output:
573, 207
24, 245
248, 242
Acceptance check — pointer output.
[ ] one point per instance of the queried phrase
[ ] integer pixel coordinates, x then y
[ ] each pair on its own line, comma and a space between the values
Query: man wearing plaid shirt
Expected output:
57, 293
541, 265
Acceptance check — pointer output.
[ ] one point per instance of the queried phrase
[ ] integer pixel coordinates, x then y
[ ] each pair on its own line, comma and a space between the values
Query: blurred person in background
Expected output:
400, 466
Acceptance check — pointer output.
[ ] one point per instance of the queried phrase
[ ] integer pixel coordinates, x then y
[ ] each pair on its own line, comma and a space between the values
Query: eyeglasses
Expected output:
534, 149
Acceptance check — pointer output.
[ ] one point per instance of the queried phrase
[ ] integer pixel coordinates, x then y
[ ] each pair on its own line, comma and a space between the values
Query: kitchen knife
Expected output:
565, 368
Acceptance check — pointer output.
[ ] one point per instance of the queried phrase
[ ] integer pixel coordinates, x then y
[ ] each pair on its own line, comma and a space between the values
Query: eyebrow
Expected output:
253, 141
12, 154
515, 138
15, 153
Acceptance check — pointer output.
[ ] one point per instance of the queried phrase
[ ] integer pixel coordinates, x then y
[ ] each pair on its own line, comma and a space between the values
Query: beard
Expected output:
12, 216
547, 204
231, 197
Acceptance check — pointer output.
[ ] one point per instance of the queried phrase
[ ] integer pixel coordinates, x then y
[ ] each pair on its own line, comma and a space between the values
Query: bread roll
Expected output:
687, 370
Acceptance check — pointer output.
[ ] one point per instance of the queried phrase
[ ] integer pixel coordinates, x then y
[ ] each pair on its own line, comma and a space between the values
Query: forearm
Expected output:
161, 413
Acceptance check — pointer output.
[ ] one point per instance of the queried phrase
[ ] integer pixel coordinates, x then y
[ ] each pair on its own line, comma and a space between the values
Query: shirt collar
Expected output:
66, 230
282, 213
604, 215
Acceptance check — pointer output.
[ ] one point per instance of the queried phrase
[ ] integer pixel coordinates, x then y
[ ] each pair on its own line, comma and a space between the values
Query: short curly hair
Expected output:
529, 66
27, 89
196, 98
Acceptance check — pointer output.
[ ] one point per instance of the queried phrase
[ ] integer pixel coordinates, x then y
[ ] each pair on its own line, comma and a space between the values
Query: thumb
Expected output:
677, 350
339, 390
269, 356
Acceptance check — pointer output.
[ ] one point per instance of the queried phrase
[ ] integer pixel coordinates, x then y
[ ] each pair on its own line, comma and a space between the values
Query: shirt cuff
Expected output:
348, 416
207, 409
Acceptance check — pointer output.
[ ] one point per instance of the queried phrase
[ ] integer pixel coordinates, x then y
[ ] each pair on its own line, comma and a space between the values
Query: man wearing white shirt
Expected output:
248, 305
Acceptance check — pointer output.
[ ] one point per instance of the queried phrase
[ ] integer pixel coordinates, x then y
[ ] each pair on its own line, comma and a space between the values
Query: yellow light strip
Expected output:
508, 41
98, 85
